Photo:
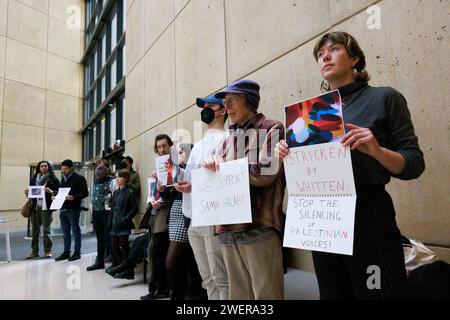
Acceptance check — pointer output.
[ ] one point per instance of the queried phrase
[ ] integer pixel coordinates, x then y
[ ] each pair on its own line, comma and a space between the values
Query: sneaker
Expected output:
75, 256
48, 254
63, 256
96, 266
32, 255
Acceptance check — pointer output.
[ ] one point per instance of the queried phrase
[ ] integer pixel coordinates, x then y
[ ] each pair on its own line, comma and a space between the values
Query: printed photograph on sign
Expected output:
153, 195
315, 121
35, 192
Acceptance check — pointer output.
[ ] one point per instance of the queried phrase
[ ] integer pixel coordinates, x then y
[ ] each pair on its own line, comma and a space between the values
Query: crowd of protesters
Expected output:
245, 261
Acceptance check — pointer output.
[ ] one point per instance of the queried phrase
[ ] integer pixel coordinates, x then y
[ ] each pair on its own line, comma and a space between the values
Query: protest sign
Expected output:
319, 176
221, 197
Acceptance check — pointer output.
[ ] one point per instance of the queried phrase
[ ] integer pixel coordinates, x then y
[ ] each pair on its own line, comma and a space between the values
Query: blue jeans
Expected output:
70, 219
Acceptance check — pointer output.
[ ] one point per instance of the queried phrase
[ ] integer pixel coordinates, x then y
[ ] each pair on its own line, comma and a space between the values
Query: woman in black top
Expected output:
41, 213
383, 143
124, 207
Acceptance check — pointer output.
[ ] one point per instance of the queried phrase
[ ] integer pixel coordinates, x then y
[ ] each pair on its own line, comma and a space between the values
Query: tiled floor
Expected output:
47, 279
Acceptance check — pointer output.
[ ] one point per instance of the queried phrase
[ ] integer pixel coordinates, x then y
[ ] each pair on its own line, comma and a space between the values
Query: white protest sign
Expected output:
221, 197
322, 198
323, 169
319, 176
58, 201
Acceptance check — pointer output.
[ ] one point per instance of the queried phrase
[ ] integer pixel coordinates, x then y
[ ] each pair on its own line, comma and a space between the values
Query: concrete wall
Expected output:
179, 50
40, 89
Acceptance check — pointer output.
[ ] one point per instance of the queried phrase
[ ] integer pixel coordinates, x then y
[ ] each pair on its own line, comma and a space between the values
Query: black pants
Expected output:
100, 223
120, 249
159, 245
137, 250
377, 242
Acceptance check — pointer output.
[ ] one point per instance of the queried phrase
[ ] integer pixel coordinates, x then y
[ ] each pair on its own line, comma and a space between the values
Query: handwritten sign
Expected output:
319, 175
221, 197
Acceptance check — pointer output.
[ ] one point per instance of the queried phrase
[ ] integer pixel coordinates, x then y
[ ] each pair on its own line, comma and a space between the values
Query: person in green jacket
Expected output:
135, 182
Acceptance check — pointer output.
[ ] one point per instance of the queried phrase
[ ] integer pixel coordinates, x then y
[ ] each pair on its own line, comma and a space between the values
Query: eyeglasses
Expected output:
231, 101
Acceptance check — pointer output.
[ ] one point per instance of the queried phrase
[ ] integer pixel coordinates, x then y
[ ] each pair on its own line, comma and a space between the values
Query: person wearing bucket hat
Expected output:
252, 251
248, 88
204, 243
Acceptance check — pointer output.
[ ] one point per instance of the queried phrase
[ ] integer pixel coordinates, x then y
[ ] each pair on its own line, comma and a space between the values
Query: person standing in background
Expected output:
71, 209
41, 214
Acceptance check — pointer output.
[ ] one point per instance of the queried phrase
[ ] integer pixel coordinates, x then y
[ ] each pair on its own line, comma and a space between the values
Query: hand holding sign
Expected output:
281, 150
361, 139
213, 163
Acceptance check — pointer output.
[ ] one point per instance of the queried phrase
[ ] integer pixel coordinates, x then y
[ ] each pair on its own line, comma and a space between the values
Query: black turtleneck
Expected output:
384, 110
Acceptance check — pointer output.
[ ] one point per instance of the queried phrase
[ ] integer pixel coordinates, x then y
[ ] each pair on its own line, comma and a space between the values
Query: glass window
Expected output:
86, 79
103, 48
114, 31
86, 110
86, 146
99, 94
92, 103
88, 10
113, 74
94, 144
124, 60
102, 135
113, 126
103, 89
124, 15
95, 60
95, 100
123, 118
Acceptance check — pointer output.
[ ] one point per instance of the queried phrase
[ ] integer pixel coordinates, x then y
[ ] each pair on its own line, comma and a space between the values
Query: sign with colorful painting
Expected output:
221, 197
319, 175
315, 121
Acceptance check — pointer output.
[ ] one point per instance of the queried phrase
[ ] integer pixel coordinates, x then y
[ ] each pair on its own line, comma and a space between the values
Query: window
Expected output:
124, 15
113, 74
124, 61
104, 68
86, 111
123, 118
103, 48
94, 144
114, 31
103, 89
113, 126
102, 134
86, 79
86, 145
95, 62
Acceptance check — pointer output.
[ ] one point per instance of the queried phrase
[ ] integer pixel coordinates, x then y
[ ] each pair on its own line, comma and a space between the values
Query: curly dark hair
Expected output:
38, 169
